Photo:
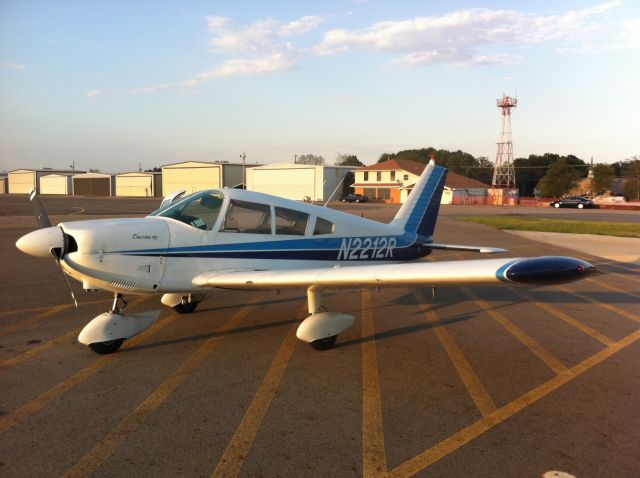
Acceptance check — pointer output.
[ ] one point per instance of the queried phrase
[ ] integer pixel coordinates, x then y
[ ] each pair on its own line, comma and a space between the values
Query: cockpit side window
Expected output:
199, 210
323, 227
291, 222
247, 217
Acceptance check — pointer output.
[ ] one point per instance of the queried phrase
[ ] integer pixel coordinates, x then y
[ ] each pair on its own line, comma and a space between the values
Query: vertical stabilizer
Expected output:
420, 211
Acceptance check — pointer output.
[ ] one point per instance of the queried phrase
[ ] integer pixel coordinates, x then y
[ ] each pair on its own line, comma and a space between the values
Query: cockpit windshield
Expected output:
199, 210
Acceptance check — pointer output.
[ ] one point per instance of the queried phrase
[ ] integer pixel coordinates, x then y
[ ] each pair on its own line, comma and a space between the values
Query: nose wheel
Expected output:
107, 347
110, 346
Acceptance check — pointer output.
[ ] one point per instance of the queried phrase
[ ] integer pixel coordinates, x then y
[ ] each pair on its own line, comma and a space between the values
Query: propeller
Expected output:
57, 252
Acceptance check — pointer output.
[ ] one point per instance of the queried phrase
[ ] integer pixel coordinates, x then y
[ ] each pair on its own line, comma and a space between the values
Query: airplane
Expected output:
239, 239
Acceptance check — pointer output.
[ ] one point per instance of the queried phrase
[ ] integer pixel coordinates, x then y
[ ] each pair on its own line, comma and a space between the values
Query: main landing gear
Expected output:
321, 328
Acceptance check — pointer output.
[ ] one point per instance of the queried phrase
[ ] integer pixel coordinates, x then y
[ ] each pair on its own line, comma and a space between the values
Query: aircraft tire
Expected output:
187, 308
108, 347
324, 344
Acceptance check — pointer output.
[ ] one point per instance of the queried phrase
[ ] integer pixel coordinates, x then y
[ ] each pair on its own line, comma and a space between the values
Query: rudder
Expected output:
419, 213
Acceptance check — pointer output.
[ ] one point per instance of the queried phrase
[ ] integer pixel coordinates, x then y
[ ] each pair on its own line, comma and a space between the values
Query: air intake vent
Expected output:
123, 284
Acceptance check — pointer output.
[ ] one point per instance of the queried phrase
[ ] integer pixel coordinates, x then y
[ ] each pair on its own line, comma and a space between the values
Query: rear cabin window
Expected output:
248, 218
291, 222
323, 227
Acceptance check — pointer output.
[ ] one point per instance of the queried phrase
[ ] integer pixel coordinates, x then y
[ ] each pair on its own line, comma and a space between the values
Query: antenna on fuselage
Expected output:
334, 191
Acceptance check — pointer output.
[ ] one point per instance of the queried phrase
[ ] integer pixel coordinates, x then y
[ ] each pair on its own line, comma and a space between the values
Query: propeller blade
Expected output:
41, 215
66, 279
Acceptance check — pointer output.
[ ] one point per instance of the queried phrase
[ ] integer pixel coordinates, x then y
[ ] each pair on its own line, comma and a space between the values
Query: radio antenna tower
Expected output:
504, 175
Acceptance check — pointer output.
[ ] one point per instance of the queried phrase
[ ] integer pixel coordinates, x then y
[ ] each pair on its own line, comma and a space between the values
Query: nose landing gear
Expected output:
108, 331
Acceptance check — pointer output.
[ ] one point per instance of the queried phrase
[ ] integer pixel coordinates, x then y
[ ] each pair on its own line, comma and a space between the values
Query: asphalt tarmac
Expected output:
481, 381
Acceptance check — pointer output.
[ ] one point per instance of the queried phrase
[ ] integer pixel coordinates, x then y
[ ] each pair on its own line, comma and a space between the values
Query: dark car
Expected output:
355, 198
572, 201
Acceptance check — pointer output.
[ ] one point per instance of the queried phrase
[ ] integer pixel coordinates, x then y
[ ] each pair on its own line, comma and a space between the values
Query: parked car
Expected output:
355, 198
573, 201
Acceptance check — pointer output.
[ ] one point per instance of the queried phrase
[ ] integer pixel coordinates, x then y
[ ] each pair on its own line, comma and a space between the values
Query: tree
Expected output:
458, 161
94, 170
559, 180
347, 183
601, 180
155, 169
348, 160
632, 176
310, 159
530, 170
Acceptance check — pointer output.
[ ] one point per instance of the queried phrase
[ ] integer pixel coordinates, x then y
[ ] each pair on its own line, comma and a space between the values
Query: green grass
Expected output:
525, 223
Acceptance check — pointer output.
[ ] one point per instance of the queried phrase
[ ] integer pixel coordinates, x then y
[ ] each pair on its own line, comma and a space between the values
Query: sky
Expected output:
114, 85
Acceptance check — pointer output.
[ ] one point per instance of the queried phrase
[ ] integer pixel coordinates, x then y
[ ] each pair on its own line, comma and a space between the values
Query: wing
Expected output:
541, 270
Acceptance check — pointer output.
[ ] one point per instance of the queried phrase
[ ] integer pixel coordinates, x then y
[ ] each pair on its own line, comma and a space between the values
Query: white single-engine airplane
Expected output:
237, 239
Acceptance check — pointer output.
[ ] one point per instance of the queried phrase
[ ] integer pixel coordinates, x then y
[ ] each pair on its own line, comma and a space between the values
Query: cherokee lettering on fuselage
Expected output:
366, 248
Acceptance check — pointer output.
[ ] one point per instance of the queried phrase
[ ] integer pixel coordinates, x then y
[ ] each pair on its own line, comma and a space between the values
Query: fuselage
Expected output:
225, 230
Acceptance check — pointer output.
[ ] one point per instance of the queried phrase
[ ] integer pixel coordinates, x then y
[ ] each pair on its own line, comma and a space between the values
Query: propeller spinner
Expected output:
46, 241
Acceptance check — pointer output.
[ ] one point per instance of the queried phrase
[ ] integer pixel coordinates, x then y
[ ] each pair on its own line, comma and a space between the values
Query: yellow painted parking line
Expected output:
474, 386
619, 265
63, 338
466, 435
611, 307
10, 420
38, 309
24, 323
374, 455
566, 318
607, 285
238, 448
552, 362
99, 454
39, 349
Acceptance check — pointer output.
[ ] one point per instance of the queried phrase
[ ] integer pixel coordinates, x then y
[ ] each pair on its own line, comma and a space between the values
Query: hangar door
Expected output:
21, 181
92, 186
287, 183
134, 185
191, 177
54, 184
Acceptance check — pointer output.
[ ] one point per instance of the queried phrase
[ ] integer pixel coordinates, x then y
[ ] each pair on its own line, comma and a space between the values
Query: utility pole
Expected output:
244, 180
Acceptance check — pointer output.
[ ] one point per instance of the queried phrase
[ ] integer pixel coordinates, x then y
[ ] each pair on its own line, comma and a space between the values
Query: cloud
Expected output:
629, 35
466, 37
12, 66
93, 93
261, 47
301, 26
277, 61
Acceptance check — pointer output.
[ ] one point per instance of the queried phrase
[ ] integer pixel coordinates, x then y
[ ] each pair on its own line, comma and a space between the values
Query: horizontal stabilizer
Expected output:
455, 247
